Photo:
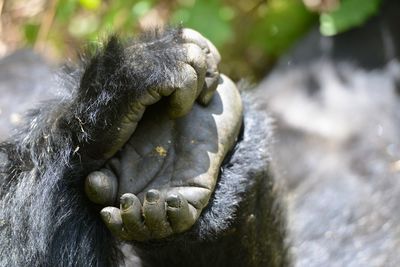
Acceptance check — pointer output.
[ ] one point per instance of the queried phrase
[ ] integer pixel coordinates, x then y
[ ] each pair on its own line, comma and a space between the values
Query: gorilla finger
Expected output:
111, 216
211, 79
131, 214
192, 36
198, 197
212, 60
214, 52
197, 59
101, 187
155, 214
180, 213
211, 83
182, 99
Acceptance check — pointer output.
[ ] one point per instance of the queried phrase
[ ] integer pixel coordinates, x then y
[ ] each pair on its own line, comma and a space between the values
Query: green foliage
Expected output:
283, 22
65, 10
88, 19
84, 26
30, 32
210, 17
90, 4
250, 34
141, 8
351, 13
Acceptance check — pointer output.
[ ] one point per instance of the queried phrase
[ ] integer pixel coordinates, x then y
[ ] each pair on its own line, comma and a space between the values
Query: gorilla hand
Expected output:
167, 170
180, 65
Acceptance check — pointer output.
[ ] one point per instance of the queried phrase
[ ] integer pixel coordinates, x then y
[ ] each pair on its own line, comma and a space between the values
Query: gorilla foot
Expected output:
167, 171
159, 216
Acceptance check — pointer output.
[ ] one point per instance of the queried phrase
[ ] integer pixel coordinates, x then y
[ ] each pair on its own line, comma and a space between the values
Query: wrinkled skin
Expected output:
120, 112
165, 173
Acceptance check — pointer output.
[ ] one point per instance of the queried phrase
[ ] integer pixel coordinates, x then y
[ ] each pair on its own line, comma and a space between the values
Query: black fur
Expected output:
338, 147
342, 182
45, 218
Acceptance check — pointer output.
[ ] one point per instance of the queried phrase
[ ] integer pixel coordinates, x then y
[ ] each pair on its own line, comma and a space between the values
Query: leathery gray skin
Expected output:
164, 165
166, 172
50, 221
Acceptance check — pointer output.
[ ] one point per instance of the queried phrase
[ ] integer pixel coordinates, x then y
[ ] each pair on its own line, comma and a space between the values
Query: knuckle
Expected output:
195, 54
191, 35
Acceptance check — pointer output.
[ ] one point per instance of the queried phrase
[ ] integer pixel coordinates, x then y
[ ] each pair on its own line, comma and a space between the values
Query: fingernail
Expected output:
105, 215
174, 201
126, 202
152, 195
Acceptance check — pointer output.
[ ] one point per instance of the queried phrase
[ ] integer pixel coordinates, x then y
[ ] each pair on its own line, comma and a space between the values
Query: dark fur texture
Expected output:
336, 105
45, 218
337, 108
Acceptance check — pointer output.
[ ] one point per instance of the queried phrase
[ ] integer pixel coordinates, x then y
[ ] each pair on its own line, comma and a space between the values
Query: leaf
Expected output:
31, 32
350, 13
211, 18
141, 8
283, 23
90, 4
65, 10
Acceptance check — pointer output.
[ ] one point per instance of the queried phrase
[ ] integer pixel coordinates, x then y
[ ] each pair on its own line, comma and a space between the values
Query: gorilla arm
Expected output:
44, 217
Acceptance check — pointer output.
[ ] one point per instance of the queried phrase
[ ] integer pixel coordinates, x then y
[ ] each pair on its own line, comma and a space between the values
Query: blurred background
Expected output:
250, 34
